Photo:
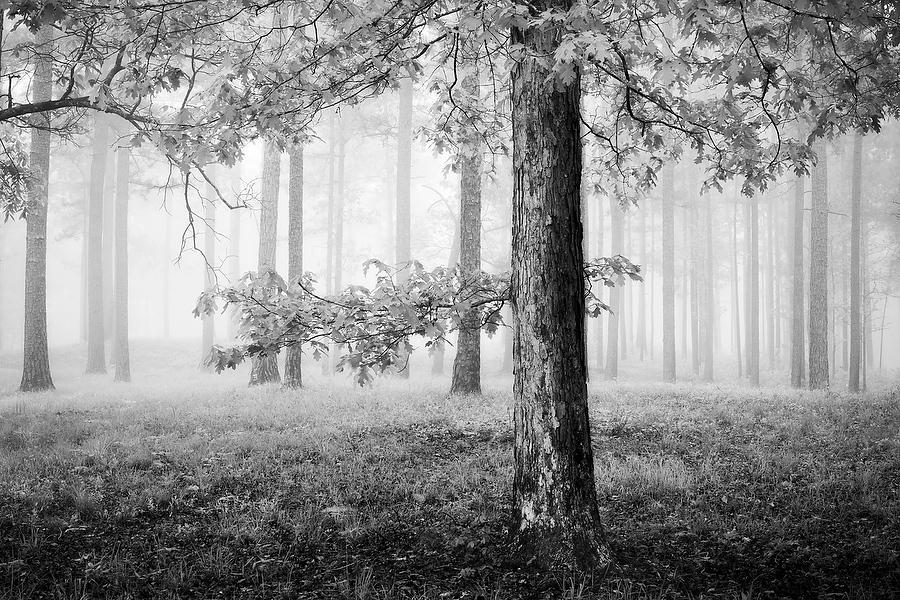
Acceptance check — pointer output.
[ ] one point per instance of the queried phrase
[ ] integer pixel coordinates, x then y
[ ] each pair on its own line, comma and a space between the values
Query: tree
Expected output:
735, 294
293, 359
402, 245
751, 215
668, 271
209, 274
36, 368
855, 266
694, 275
467, 363
615, 295
818, 273
234, 243
554, 492
798, 329
96, 359
709, 350
265, 367
123, 356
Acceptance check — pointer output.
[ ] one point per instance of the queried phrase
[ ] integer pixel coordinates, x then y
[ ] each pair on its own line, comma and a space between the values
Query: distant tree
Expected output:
293, 360
599, 325
818, 273
735, 288
234, 242
855, 266
615, 295
668, 271
642, 292
771, 281
123, 356
751, 286
209, 265
798, 328
96, 359
695, 253
36, 367
710, 300
402, 244
265, 367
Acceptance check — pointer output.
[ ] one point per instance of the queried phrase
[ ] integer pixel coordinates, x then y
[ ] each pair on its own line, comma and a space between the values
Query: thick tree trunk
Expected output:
36, 365
264, 369
96, 359
818, 273
798, 349
293, 356
855, 267
752, 287
209, 276
123, 355
403, 247
554, 492
615, 293
467, 363
735, 291
668, 271
710, 337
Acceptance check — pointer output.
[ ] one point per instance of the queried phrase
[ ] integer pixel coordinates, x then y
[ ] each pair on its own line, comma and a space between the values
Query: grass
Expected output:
186, 485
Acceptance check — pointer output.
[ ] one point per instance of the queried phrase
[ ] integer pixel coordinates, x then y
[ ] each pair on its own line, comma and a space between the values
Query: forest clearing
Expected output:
399, 491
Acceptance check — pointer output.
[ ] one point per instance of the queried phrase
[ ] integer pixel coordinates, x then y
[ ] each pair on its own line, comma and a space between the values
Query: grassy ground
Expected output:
186, 485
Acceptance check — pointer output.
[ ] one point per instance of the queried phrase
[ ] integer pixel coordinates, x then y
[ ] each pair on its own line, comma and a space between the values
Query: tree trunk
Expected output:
695, 283
264, 369
294, 354
709, 352
855, 267
642, 290
404, 175
668, 271
166, 277
798, 349
36, 365
818, 273
467, 364
123, 356
615, 293
96, 359
772, 281
651, 276
329, 234
598, 332
735, 291
209, 263
437, 359
234, 249
554, 491
752, 287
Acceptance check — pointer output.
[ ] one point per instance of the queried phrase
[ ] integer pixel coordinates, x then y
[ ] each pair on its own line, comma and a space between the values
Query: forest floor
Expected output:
187, 485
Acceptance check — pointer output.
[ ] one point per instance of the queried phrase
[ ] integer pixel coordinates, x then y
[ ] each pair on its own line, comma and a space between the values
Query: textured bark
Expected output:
735, 291
96, 359
855, 267
36, 365
264, 369
402, 248
710, 337
556, 517
798, 349
752, 287
293, 377
818, 273
467, 363
668, 271
209, 276
615, 293
120, 270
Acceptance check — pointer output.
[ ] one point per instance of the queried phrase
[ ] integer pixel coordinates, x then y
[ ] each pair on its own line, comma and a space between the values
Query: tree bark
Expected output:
556, 517
467, 363
855, 267
36, 365
818, 273
264, 369
404, 175
293, 377
615, 293
122, 353
668, 271
96, 359
798, 349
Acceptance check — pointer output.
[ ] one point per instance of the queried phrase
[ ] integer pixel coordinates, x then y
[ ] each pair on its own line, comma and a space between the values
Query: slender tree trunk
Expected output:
467, 364
209, 275
166, 278
123, 355
96, 359
36, 366
625, 296
651, 275
685, 290
668, 272
234, 250
772, 281
294, 354
109, 225
329, 241
437, 358
600, 292
341, 181
798, 349
556, 516
708, 373
752, 286
264, 369
818, 273
642, 291
855, 266
695, 284
404, 174
735, 291
615, 293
